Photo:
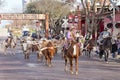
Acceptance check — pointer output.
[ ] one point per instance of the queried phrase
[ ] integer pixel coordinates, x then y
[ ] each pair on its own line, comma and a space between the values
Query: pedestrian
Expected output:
118, 45
114, 47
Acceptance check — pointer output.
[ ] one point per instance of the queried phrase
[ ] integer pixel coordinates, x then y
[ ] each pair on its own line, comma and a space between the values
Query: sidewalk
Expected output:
116, 59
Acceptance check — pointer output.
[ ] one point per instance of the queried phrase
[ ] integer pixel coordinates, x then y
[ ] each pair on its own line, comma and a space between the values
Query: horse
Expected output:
88, 47
105, 48
10, 42
69, 53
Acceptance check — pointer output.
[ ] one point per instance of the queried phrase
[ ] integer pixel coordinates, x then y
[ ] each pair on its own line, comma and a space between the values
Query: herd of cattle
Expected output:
45, 49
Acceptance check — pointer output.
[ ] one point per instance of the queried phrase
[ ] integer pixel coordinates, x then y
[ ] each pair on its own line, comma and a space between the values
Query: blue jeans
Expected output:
113, 55
119, 51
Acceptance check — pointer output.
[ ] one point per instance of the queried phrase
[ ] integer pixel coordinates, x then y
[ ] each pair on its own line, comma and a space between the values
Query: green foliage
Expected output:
31, 8
56, 10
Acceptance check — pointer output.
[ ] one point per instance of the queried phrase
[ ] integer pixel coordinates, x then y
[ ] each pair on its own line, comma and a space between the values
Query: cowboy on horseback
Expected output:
71, 50
9, 38
88, 37
105, 35
70, 35
105, 44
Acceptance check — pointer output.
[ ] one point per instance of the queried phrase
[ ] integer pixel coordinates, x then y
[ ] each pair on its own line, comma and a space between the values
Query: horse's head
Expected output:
73, 42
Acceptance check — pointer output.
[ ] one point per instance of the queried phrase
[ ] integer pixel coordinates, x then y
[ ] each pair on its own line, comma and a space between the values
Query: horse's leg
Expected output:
66, 69
76, 64
106, 55
5, 49
89, 53
101, 54
13, 51
84, 52
71, 65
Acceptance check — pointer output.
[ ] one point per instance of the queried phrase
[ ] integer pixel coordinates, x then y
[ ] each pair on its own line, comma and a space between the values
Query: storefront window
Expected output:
117, 25
109, 25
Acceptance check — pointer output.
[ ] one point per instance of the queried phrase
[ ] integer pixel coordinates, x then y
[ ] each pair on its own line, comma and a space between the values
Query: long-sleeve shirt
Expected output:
68, 35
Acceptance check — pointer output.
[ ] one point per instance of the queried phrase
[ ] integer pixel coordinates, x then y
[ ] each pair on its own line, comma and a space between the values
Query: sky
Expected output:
10, 6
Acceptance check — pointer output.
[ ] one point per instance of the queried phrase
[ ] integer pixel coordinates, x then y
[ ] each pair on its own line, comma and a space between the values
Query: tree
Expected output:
57, 10
31, 8
93, 17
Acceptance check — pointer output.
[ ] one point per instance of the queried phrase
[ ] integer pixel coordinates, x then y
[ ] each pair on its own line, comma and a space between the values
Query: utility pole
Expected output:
79, 19
47, 26
113, 18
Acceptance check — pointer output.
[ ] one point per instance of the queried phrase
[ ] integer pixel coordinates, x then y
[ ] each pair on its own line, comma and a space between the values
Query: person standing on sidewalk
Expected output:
114, 47
118, 44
